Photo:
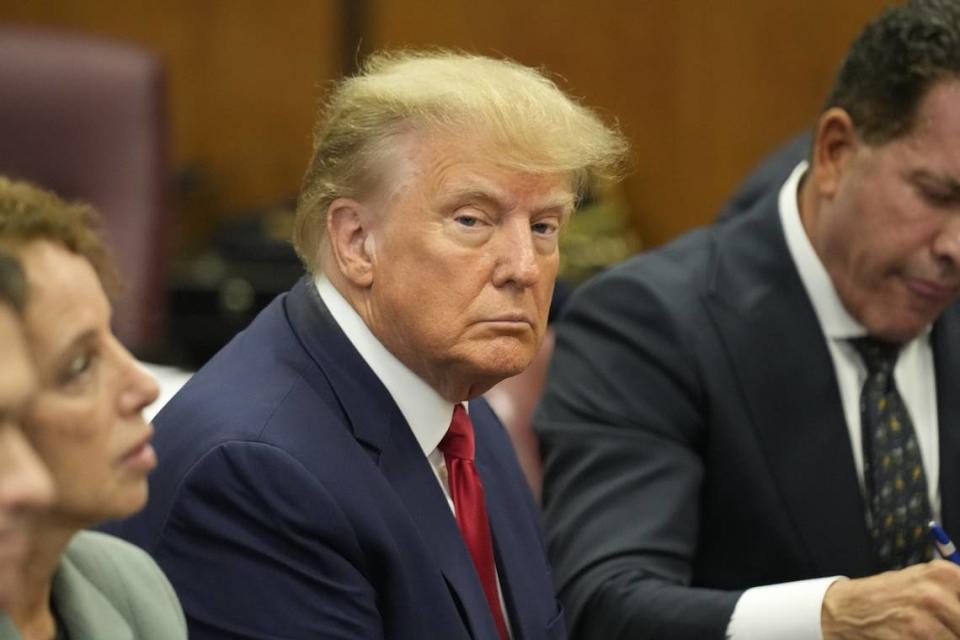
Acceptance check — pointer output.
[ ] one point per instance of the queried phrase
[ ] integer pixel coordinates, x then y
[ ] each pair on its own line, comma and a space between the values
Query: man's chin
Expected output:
485, 375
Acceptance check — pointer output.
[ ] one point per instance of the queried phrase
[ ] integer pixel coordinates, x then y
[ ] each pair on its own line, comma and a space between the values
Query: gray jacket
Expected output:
108, 589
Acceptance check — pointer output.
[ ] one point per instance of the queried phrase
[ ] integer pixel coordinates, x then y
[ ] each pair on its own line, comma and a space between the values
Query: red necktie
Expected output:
467, 493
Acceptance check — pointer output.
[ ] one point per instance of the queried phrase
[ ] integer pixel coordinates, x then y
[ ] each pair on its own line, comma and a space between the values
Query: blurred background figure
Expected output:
25, 485
85, 423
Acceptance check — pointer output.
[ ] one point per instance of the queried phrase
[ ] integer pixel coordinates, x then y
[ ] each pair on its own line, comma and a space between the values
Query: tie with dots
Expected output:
896, 486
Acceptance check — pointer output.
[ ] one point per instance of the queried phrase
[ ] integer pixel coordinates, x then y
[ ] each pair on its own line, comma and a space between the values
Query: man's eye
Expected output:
938, 198
467, 221
544, 228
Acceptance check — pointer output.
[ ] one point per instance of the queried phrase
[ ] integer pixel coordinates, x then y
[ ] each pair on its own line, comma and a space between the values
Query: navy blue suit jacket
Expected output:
293, 501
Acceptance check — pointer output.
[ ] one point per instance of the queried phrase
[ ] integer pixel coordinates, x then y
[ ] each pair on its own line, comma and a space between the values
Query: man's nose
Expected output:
518, 263
946, 246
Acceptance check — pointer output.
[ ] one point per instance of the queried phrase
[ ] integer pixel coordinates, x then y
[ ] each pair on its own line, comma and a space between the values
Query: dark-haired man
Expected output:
737, 423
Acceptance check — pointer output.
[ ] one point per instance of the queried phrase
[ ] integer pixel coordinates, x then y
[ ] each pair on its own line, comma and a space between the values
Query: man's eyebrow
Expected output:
566, 202
473, 194
923, 175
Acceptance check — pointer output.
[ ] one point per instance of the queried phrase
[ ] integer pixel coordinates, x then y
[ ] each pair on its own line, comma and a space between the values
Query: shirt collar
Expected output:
425, 410
835, 321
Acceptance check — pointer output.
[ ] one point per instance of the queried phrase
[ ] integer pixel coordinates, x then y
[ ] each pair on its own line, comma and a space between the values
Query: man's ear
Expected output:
833, 147
351, 241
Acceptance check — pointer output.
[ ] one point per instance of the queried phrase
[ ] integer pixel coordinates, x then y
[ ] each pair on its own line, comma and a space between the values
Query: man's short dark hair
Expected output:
13, 285
892, 65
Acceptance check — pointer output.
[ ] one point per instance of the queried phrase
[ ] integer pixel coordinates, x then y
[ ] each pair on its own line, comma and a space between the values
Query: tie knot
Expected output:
878, 356
458, 442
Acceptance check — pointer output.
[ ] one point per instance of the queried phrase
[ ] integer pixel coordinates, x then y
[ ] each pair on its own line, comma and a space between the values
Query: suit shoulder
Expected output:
676, 271
127, 578
661, 286
237, 393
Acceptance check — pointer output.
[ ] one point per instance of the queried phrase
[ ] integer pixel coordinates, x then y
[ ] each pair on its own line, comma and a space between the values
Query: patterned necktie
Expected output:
466, 490
896, 486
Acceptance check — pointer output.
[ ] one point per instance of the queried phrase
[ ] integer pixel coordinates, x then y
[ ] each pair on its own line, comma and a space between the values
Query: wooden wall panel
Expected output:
702, 87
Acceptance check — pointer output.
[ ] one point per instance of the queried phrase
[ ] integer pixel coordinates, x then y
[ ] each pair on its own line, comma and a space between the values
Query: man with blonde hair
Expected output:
332, 472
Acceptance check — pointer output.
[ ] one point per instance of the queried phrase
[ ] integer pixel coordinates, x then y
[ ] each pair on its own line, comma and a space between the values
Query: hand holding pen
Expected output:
944, 545
925, 598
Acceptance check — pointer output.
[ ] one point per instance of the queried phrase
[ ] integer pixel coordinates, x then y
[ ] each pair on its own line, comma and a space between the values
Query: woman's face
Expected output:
86, 422
25, 486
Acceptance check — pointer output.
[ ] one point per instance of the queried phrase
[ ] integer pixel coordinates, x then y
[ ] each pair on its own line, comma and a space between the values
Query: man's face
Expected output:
890, 238
465, 257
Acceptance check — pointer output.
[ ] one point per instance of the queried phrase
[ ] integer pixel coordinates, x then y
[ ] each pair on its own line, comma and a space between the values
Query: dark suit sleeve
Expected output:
257, 548
621, 428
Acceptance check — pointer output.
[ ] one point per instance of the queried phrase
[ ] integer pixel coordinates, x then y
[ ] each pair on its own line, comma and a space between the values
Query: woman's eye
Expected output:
77, 365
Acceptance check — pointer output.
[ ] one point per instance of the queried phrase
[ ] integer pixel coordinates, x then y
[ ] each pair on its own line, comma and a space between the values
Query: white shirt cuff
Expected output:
786, 611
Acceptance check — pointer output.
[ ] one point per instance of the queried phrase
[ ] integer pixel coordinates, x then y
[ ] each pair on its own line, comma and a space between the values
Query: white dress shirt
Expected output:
791, 611
425, 410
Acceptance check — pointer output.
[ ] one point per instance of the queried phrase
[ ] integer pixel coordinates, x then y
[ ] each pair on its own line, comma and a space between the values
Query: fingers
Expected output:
921, 602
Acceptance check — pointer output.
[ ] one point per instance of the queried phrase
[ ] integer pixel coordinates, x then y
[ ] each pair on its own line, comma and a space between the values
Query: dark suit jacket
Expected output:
694, 439
293, 501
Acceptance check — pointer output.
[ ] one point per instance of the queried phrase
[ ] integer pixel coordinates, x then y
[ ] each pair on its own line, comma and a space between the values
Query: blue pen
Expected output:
944, 545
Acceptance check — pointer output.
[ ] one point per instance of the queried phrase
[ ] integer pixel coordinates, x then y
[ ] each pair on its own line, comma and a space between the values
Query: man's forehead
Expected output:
469, 156
503, 184
938, 115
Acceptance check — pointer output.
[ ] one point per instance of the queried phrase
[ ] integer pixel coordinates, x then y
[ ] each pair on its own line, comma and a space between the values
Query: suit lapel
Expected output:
410, 475
516, 565
84, 609
521, 564
362, 396
512, 559
945, 342
378, 424
789, 387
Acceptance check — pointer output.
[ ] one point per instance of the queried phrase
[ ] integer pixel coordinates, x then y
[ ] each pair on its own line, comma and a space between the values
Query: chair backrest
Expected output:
85, 117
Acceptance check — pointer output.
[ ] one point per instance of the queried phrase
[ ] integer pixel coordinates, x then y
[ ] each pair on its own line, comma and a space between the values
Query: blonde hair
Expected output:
29, 213
522, 115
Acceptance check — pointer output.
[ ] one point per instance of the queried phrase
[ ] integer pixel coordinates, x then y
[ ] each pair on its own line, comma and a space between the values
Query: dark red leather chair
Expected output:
85, 117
